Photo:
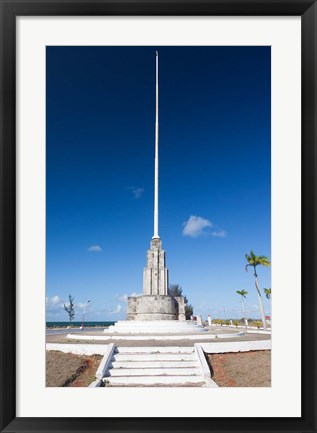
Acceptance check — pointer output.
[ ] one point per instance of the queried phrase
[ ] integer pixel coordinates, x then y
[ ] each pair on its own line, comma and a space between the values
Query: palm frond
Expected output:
264, 261
251, 258
254, 260
242, 292
267, 293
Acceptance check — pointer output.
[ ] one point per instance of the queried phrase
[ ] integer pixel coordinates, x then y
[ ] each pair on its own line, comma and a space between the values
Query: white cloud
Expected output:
53, 303
116, 310
195, 226
55, 300
137, 192
219, 233
124, 298
82, 305
95, 248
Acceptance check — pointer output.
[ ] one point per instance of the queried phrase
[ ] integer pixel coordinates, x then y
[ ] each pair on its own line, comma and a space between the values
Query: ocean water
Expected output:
78, 324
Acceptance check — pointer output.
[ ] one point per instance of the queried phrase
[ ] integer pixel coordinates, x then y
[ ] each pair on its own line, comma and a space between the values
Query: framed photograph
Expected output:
206, 114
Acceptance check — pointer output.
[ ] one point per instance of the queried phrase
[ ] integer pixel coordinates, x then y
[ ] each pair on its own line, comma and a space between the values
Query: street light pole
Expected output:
82, 323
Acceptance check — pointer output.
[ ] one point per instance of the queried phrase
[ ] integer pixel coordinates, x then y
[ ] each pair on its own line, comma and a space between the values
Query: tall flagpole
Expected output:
156, 235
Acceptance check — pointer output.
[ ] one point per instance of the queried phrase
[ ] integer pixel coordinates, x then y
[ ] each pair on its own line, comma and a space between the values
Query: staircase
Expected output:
155, 366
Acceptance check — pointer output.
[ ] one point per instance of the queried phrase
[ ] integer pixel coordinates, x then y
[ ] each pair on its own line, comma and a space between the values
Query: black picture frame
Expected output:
10, 9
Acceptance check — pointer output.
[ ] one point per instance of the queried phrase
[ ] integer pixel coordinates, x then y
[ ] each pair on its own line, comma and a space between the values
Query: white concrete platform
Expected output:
79, 349
154, 337
236, 346
154, 327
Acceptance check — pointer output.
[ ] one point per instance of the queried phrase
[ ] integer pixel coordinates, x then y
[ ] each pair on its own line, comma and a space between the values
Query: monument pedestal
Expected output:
155, 307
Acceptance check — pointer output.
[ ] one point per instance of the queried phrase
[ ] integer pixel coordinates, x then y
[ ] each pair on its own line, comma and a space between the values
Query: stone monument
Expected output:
156, 303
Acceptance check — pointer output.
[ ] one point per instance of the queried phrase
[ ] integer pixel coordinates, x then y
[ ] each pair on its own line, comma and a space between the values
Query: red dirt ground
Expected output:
242, 369
67, 369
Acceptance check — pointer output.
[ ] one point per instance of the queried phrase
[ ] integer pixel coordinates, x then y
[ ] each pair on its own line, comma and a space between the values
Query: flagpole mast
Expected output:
156, 235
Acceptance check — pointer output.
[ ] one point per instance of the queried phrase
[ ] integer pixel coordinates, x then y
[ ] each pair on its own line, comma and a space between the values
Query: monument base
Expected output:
155, 327
156, 307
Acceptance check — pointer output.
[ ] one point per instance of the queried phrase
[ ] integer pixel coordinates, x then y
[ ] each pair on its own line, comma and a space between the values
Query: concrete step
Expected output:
154, 349
154, 364
155, 381
154, 372
155, 357
155, 326
149, 323
163, 326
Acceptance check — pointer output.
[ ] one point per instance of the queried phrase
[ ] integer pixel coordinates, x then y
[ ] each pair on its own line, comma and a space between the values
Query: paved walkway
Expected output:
62, 338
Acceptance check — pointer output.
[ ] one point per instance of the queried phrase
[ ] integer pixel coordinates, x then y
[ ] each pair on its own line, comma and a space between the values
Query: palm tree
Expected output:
267, 293
243, 294
255, 261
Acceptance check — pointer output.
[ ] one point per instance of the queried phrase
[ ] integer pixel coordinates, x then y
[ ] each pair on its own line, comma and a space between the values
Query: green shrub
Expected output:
257, 323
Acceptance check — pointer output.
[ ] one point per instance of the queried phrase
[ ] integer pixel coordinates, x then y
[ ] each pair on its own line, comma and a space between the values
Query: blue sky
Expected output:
215, 174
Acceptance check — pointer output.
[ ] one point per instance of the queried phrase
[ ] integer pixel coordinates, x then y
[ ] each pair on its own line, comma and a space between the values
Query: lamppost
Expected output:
86, 305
